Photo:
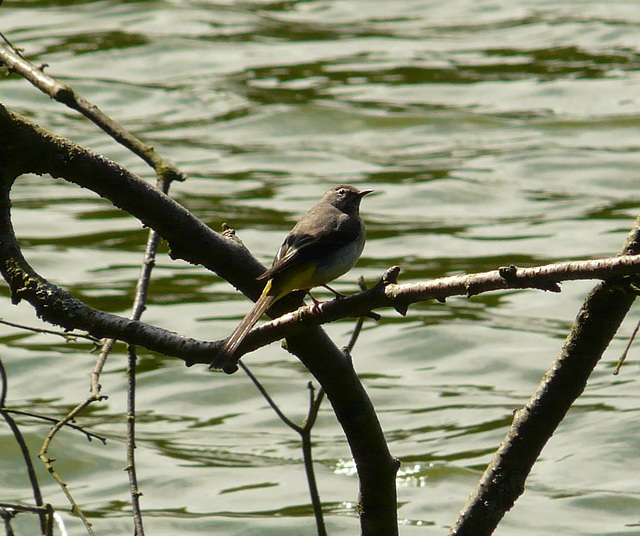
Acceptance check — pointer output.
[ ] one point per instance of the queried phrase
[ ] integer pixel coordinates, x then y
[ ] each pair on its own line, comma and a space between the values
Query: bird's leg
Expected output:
316, 303
335, 292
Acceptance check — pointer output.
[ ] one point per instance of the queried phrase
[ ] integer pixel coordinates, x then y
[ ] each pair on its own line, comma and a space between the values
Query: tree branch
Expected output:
63, 93
131, 443
387, 293
24, 449
504, 479
191, 240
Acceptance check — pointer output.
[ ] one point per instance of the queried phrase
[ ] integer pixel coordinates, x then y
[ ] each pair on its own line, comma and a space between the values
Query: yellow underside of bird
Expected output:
296, 278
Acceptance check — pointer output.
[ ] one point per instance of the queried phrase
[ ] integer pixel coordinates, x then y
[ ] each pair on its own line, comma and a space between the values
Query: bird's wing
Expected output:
311, 241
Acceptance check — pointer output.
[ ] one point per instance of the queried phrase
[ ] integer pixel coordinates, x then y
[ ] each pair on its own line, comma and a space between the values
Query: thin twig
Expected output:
63, 93
268, 398
305, 430
89, 435
6, 40
359, 322
305, 435
23, 508
22, 444
7, 516
307, 455
51, 515
69, 336
48, 462
140, 299
623, 357
95, 396
131, 442
5, 385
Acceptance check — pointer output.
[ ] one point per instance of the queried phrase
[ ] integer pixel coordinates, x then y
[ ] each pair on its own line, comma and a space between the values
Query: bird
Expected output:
324, 245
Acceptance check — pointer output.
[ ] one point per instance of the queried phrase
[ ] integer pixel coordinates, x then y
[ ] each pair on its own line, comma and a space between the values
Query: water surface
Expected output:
494, 133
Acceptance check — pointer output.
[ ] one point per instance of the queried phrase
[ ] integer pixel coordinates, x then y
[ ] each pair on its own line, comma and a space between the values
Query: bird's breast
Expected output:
338, 263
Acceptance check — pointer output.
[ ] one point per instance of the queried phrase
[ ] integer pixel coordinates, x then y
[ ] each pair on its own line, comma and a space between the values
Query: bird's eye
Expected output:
342, 191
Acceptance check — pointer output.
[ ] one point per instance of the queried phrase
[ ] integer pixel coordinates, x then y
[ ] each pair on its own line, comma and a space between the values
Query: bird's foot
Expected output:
316, 303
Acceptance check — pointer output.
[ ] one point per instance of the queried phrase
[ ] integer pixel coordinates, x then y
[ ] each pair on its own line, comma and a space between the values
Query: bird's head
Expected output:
345, 197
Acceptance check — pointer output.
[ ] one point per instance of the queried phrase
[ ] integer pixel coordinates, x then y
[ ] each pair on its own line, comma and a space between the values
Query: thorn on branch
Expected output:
468, 288
390, 277
550, 286
509, 274
228, 231
401, 308
375, 316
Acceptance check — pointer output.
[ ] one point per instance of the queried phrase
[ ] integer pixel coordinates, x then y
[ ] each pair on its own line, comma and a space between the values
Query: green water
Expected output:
494, 132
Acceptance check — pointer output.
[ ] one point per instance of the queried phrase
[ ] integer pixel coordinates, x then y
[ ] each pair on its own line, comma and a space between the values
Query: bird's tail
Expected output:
231, 344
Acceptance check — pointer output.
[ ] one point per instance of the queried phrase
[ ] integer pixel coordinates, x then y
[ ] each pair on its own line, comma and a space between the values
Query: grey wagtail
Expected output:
322, 246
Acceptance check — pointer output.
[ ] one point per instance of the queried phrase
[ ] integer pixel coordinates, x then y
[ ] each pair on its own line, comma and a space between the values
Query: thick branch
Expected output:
188, 237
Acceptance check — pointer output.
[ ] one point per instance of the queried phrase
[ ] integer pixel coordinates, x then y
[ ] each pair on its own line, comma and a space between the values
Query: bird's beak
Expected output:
362, 193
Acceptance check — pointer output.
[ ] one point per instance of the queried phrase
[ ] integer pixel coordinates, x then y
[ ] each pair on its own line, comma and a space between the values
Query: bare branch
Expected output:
504, 479
307, 455
48, 462
89, 435
623, 357
24, 449
66, 95
68, 336
388, 293
131, 442
192, 240
265, 394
